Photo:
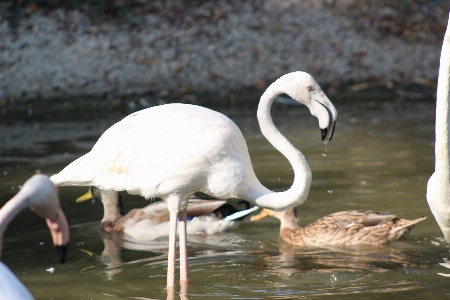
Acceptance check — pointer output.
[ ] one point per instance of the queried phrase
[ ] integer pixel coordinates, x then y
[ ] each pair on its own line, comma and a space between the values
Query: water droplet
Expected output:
5, 173
41, 243
333, 278
323, 154
330, 191
363, 182
279, 179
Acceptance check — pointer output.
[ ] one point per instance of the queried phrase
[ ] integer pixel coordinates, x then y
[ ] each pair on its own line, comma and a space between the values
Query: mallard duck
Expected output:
175, 150
352, 227
152, 221
41, 196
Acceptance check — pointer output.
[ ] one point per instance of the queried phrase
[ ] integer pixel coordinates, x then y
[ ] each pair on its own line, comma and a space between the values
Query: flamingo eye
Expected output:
310, 88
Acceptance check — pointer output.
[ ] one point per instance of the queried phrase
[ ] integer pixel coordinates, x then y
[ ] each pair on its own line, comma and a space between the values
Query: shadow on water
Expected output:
380, 159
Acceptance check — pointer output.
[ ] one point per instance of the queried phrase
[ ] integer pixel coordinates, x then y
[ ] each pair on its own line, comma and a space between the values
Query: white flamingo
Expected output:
41, 196
174, 150
438, 189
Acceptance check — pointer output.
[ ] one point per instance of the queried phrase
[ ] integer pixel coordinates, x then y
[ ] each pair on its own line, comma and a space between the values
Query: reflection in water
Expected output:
199, 248
110, 263
445, 264
319, 271
338, 270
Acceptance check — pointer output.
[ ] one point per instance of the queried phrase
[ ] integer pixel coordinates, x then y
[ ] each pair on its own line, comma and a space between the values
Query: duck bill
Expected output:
59, 229
264, 213
87, 196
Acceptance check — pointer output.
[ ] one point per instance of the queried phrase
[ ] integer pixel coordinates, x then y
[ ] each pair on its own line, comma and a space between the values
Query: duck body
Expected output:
152, 221
137, 224
353, 227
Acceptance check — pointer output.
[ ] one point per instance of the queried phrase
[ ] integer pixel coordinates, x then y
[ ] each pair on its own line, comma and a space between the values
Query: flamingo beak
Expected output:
59, 229
327, 132
325, 112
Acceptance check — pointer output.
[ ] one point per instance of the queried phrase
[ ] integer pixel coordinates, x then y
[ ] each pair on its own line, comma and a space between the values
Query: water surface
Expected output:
380, 158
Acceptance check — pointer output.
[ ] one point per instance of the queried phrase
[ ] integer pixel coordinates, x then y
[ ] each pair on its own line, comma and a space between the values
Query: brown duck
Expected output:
352, 227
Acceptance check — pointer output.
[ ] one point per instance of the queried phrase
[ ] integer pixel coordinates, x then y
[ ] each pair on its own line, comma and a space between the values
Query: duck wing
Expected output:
350, 218
357, 227
200, 207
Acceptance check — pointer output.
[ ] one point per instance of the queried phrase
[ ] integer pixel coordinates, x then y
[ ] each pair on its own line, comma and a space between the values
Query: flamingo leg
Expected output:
172, 247
183, 247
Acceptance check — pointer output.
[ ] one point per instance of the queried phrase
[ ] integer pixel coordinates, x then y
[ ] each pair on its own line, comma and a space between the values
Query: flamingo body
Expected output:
10, 285
183, 149
174, 150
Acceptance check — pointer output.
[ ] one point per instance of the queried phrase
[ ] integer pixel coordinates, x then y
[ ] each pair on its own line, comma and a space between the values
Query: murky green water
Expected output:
380, 158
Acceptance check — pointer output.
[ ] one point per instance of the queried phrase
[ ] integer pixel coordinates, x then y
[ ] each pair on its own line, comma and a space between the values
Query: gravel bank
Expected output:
219, 45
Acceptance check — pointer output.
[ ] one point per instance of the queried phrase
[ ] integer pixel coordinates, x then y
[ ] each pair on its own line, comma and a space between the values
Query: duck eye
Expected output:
310, 88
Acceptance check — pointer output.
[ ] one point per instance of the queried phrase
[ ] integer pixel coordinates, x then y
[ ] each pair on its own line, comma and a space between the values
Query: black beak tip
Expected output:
61, 251
332, 133
324, 133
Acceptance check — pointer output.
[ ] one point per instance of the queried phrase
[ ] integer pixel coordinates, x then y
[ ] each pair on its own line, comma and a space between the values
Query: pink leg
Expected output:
170, 293
183, 248
172, 247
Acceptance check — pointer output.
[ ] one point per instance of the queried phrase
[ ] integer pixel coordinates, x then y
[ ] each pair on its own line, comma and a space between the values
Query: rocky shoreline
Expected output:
211, 47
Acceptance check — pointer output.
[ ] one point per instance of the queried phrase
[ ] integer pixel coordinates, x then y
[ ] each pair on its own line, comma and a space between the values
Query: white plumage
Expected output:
154, 150
438, 189
172, 151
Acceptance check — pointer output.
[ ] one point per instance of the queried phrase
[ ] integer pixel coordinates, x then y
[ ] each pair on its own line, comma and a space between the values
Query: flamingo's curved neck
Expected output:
438, 189
442, 164
299, 190
8, 212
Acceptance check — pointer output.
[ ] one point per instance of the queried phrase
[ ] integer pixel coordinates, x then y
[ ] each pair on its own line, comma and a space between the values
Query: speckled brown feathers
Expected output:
343, 228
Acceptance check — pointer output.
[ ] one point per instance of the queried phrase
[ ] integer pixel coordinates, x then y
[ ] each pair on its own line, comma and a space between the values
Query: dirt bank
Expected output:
219, 45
